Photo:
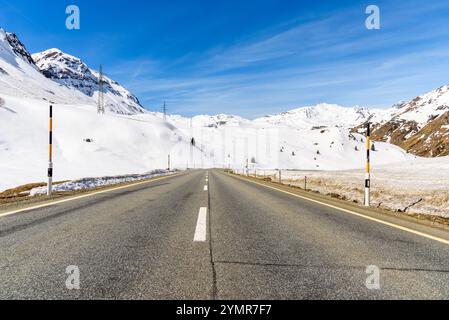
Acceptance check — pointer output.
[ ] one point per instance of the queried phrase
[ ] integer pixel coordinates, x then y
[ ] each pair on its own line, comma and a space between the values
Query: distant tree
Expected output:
373, 147
253, 160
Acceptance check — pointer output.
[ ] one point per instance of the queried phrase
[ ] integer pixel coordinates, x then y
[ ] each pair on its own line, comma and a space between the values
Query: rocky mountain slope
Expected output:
420, 126
18, 47
19, 76
74, 73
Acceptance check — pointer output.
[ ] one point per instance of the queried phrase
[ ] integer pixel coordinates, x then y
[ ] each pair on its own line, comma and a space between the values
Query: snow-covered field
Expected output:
306, 145
85, 144
420, 185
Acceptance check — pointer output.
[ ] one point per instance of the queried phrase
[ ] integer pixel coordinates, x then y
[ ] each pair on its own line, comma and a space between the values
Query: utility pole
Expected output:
192, 144
169, 164
368, 166
50, 154
100, 107
247, 155
165, 111
202, 156
234, 153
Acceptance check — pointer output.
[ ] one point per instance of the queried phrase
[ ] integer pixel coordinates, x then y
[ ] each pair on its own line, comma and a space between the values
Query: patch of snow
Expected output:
92, 183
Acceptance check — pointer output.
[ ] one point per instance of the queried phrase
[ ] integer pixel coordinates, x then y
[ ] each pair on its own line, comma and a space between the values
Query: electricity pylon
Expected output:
100, 107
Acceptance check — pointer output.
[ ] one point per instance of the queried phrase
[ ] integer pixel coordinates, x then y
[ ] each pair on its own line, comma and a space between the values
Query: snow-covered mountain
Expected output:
19, 76
74, 73
311, 117
85, 143
217, 121
310, 138
18, 47
420, 126
323, 115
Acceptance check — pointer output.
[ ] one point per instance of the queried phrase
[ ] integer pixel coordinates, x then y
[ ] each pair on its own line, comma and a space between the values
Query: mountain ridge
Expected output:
72, 72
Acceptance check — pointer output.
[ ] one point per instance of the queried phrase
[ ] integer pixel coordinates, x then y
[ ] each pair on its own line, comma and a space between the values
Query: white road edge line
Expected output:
81, 197
390, 224
201, 226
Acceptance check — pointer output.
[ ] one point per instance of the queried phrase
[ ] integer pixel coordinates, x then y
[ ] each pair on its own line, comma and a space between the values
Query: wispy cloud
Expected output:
332, 59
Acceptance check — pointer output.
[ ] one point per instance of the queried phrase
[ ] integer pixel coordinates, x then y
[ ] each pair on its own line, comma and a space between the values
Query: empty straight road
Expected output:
209, 235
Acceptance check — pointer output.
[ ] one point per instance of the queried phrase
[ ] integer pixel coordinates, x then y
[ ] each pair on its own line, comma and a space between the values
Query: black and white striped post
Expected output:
368, 166
50, 155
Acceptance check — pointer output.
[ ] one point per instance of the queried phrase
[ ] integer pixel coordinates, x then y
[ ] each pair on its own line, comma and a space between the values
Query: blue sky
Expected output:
246, 57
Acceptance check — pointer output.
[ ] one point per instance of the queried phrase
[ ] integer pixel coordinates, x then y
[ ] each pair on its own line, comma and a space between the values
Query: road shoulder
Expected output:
426, 228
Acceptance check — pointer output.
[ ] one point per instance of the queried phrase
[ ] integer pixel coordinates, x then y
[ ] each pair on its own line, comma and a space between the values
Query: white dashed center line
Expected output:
201, 226
205, 188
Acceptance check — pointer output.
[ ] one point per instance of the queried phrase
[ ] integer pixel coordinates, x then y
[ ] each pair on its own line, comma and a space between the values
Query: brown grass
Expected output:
21, 192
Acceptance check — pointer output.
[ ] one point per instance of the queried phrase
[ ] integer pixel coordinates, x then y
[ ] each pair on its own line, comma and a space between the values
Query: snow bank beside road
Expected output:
92, 183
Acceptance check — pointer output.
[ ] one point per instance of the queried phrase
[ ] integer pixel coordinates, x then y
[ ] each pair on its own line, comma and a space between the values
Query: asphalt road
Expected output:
252, 242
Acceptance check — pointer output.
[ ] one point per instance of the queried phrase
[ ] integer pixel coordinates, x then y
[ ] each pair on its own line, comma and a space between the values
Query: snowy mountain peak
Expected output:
18, 47
72, 72
323, 115
57, 65
219, 120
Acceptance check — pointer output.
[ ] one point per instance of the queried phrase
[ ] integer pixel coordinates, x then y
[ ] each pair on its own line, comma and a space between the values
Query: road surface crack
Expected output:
328, 267
214, 272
